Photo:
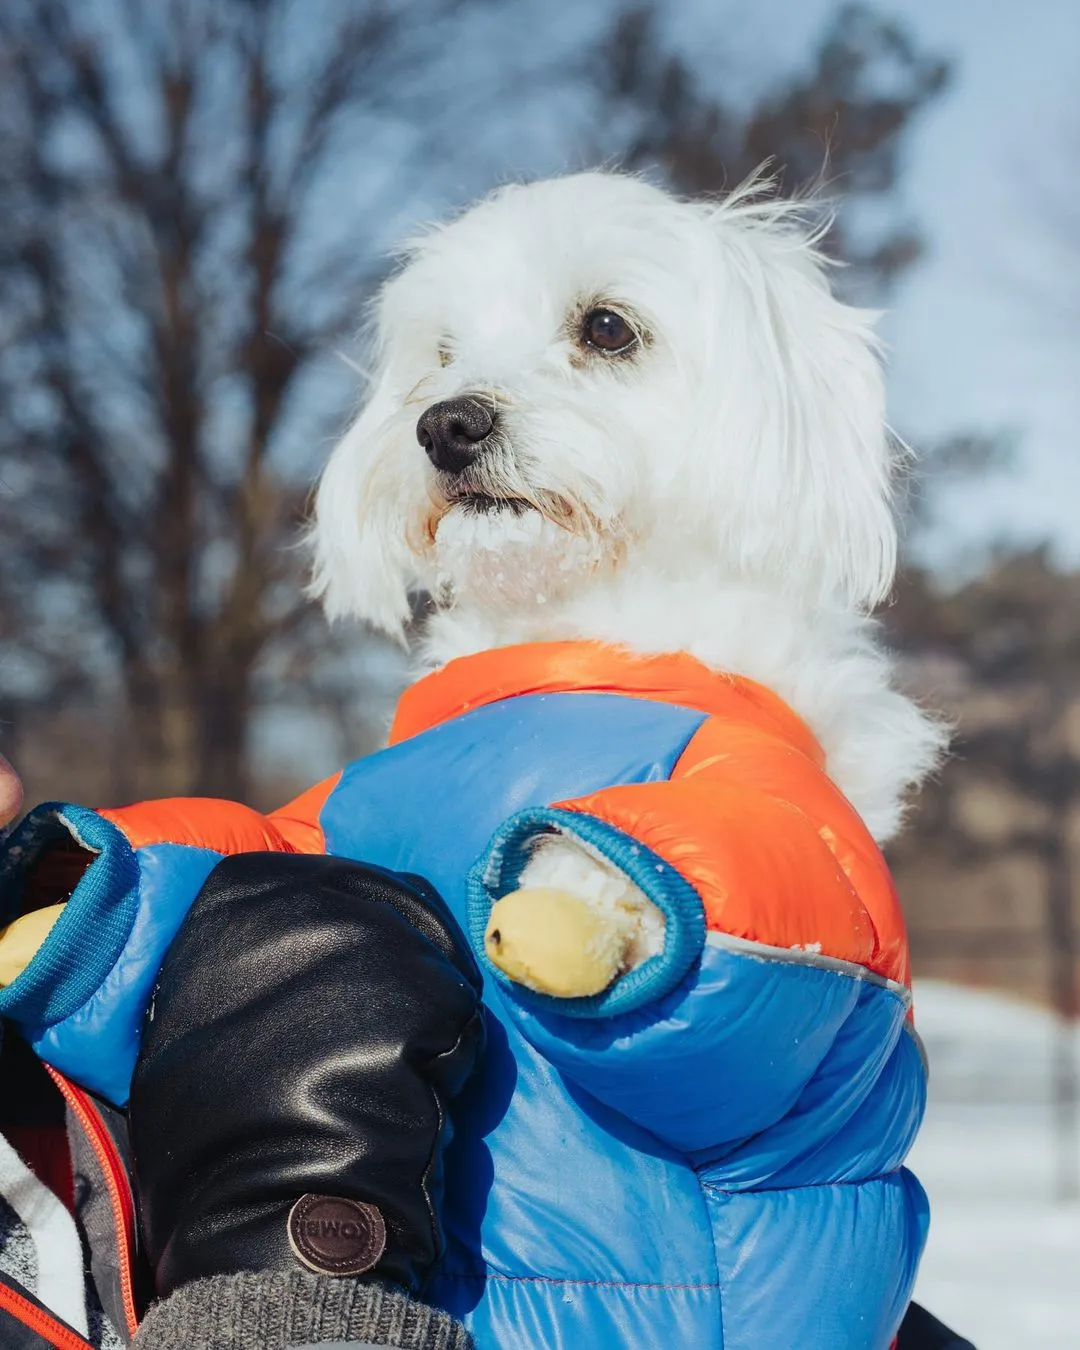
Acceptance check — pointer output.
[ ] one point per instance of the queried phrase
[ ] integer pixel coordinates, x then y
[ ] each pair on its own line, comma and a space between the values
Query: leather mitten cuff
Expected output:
277, 1310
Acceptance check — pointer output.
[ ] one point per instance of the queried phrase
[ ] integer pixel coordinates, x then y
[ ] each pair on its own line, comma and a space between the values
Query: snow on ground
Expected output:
1002, 1265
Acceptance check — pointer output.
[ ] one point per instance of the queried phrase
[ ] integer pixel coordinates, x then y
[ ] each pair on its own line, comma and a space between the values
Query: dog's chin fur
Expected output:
504, 563
722, 491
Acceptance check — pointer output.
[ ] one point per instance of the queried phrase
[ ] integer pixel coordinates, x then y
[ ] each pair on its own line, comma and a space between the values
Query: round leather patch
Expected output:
336, 1236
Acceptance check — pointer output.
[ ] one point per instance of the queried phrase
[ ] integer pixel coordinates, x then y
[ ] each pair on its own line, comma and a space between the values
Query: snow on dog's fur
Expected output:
721, 486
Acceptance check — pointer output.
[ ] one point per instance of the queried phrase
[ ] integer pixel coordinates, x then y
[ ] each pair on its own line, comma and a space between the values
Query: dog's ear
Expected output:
362, 567
820, 451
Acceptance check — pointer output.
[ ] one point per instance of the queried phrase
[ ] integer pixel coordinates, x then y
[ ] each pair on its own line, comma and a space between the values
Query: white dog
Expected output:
600, 412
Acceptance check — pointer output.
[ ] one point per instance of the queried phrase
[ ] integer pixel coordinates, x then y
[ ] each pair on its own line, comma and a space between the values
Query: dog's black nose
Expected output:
451, 432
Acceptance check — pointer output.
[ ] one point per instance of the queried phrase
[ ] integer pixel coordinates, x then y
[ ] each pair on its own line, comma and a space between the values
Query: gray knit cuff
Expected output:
278, 1310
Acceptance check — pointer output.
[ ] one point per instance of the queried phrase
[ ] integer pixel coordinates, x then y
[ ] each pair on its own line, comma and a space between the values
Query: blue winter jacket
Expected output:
709, 1154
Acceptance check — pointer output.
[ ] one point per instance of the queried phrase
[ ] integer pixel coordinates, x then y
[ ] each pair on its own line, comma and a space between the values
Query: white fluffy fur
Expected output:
725, 492
635, 922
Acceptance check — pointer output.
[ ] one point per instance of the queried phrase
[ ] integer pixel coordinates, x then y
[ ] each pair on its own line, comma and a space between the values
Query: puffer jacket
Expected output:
709, 1153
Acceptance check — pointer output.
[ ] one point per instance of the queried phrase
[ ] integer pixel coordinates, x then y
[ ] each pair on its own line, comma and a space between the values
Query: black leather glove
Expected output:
310, 1023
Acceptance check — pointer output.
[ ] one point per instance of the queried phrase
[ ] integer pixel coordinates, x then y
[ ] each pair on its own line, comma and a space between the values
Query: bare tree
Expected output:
842, 121
188, 234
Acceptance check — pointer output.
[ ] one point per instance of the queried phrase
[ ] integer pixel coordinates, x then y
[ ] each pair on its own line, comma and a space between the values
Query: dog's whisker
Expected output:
420, 393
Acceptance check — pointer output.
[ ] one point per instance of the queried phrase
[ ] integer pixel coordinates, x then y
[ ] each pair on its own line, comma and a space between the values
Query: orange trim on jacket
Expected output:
591, 667
203, 822
298, 820
51, 1330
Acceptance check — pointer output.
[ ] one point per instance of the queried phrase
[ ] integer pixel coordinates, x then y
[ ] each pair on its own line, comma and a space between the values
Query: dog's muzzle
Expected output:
453, 432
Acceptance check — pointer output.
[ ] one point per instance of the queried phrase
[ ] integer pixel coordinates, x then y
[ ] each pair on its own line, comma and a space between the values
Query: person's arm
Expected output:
297, 1311
312, 1023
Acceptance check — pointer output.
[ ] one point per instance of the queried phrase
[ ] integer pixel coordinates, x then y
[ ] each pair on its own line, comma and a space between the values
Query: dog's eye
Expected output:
607, 331
446, 356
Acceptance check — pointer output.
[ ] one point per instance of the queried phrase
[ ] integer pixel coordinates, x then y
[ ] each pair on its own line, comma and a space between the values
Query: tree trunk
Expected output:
225, 715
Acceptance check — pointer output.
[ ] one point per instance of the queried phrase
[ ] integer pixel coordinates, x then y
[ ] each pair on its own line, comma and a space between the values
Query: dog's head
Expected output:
586, 375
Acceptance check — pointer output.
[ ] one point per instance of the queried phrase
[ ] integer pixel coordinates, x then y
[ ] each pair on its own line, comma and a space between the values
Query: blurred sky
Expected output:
978, 331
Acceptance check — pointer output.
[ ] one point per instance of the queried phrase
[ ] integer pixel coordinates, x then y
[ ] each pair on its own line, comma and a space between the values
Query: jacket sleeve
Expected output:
128, 877
770, 1039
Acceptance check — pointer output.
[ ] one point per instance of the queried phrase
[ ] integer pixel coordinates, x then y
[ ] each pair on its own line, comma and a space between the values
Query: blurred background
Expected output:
197, 199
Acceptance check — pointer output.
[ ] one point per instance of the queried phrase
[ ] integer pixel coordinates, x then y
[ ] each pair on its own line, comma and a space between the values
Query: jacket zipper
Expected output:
46, 1326
116, 1181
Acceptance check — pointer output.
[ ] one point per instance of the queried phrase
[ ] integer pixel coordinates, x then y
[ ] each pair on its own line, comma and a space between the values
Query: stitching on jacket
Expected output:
551, 1279
726, 1192
702, 1191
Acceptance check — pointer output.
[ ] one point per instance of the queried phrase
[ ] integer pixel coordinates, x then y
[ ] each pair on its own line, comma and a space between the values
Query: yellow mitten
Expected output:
555, 943
20, 940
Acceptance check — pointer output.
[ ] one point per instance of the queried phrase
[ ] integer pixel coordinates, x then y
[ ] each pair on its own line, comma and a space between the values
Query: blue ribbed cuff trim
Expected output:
90, 934
499, 871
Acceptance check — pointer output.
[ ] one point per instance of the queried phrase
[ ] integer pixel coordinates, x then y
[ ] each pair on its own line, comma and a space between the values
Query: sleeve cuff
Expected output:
279, 1309
499, 870
90, 934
